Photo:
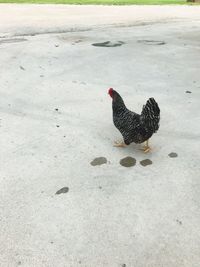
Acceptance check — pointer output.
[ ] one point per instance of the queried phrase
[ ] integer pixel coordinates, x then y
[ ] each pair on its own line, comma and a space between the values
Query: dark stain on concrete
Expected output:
179, 222
22, 68
146, 162
98, 161
78, 41
128, 162
152, 42
173, 155
188, 92
62, 190
109, 44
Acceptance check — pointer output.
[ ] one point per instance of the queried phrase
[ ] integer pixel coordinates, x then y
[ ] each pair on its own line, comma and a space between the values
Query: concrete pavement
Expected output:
56, 119
30, 19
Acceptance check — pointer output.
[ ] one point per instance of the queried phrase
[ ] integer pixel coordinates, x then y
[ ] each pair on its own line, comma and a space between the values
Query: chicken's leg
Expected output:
146, 147
119, 144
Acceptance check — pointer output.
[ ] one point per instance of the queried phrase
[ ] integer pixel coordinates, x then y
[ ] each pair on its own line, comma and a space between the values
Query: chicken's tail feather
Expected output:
151, 114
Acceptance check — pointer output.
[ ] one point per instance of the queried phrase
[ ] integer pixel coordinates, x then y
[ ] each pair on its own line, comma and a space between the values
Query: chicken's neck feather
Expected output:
118, 103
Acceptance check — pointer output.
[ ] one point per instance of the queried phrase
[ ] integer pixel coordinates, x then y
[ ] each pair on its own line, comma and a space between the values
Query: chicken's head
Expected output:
110, 92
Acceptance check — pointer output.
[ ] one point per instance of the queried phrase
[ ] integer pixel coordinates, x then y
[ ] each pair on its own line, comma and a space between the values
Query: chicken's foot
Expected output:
119, 144
146, 148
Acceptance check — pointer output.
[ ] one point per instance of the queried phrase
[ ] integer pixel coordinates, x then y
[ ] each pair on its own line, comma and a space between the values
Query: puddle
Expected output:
146, 162
12, 40
128, 162
151, 42
98, 161
109, 44
173, 155
62, 190
188, 92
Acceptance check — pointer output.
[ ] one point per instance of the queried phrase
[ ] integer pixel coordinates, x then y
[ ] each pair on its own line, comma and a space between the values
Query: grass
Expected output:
100, 2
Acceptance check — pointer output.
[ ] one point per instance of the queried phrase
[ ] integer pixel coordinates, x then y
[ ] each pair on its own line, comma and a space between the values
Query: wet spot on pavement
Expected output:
109, 44
98, 161
146, 162
173, 155
151, 42
62, 190
128, 162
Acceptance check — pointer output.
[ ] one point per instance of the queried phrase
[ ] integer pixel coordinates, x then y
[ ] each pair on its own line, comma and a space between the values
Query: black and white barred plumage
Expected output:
134, 127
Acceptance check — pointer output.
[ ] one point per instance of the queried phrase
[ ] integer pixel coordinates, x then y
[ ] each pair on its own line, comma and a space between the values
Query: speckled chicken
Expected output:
137, 128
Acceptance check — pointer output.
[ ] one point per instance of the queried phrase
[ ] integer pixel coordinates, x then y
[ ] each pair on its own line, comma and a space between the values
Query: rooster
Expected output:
137, 128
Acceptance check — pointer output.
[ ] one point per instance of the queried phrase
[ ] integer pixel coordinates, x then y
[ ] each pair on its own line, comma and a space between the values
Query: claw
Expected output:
146, 149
